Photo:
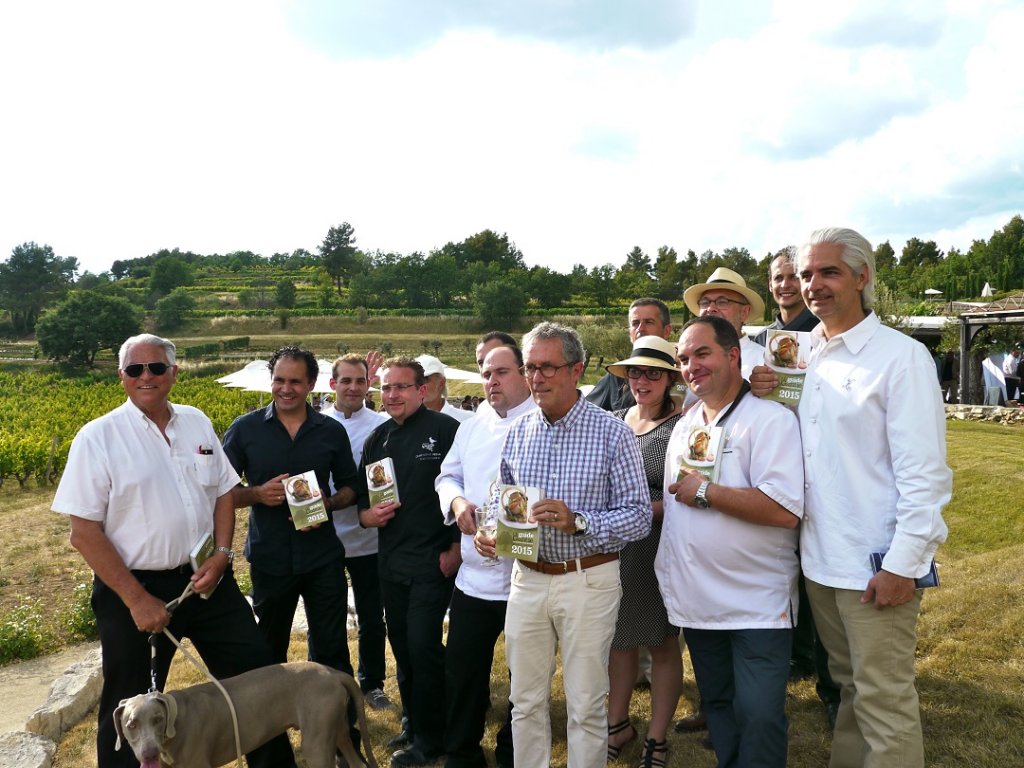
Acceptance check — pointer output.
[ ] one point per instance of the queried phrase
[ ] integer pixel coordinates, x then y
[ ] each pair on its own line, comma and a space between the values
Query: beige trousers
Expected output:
575, 614
871, 658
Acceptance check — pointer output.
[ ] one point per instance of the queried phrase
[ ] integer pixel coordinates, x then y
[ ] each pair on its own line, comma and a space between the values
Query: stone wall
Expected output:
997, 414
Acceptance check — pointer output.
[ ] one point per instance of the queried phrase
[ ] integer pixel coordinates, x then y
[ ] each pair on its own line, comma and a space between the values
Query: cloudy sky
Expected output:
578, 127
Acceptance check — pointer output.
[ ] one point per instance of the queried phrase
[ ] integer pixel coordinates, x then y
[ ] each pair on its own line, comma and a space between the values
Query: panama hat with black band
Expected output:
648, 352
723, 279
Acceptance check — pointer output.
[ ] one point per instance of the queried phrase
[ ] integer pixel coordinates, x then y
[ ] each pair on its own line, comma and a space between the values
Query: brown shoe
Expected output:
695, 722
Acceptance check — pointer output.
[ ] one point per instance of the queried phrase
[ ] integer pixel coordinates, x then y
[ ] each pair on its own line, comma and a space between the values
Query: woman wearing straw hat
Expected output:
651, 372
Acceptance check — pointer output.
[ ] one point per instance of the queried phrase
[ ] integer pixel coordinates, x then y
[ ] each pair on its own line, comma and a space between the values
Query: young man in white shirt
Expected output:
477, 613
350, 380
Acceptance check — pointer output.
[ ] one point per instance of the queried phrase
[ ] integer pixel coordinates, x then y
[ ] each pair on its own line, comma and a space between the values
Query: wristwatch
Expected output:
701, 498
582, 526
227, 551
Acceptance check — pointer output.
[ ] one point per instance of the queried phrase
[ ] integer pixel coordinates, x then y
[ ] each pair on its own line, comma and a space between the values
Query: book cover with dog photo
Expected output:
305, 500
516, 537
786, 353
702, 451
381, 482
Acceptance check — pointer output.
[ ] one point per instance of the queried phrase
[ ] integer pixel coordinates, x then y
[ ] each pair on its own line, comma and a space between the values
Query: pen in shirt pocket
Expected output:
206, 450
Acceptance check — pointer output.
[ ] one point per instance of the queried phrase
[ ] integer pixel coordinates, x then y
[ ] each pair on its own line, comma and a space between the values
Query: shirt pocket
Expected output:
206, 470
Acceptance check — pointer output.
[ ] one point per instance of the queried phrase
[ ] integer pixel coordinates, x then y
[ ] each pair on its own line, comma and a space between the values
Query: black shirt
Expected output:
611, 393
259, 447
805, 321
411, 542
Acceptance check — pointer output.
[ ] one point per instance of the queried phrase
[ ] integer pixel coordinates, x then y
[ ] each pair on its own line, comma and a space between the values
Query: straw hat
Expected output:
650, 352
723, 279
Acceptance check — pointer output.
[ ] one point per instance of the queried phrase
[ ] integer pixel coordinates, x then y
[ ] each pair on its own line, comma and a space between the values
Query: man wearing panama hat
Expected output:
726, 294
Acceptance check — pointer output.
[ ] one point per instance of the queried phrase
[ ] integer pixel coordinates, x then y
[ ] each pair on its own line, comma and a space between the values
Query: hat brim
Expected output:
692, 295
619, 368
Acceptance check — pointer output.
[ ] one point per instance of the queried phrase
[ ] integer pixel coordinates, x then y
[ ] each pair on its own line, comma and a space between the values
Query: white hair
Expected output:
147, 338
857, 253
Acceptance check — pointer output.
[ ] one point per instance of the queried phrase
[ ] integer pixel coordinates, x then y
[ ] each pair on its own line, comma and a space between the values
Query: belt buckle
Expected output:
565, 567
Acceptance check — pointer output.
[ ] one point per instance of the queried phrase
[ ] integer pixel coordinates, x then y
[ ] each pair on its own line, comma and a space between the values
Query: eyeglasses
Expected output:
721, 302
547, 370
135, 369
652, 374
386, 388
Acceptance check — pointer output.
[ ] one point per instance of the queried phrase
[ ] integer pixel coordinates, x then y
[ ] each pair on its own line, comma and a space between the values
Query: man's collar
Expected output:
271, 413
140, 414
518, 410
854, 338
573, 415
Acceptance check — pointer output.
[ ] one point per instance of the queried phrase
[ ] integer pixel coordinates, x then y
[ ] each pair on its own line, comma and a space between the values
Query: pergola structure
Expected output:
1006, 311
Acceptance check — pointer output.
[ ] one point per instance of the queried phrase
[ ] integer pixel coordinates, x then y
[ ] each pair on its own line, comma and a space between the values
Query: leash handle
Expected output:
152, 662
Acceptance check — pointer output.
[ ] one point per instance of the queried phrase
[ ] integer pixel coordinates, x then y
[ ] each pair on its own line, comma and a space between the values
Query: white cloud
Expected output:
212, 127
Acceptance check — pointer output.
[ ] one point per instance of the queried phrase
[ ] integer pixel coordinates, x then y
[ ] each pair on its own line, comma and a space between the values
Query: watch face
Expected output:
581, 524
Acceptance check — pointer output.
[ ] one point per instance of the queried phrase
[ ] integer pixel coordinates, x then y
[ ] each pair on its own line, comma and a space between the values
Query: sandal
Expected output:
615, 751
655, 754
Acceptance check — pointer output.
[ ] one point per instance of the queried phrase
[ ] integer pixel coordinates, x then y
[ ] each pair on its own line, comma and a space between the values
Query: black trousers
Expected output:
363, 572
473, 628
222, 629
414, 613
325, 597
809, 653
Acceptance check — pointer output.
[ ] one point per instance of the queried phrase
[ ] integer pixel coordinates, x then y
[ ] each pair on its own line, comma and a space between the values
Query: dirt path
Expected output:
25, 685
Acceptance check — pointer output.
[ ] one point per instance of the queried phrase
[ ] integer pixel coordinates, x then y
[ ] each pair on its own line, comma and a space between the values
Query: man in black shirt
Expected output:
418, 554
783, 282
267, 446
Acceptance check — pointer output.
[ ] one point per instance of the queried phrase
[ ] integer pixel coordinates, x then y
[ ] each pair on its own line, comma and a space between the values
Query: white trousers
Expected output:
576, 612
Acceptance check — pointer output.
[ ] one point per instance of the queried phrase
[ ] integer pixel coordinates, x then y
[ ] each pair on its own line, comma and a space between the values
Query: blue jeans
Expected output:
741, 675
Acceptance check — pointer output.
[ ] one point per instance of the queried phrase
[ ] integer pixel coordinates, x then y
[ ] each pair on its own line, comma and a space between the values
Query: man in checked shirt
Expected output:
594, 499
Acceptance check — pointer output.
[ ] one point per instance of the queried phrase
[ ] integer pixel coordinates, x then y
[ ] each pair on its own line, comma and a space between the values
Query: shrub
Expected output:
22, 634
80, 620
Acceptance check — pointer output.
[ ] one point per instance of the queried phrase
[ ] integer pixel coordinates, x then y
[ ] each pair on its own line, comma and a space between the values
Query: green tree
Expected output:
285, 294
172, 308
85, 323
338, 254
499, 304
169, 273
667, 274
32, 279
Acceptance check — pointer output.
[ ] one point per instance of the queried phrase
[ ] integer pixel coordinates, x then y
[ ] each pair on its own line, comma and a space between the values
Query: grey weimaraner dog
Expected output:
192, 727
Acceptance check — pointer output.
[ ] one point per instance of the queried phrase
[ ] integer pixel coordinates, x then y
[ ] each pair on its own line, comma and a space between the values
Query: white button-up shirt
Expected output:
716, 571
874, 440
155, 498
358, 541
468, 470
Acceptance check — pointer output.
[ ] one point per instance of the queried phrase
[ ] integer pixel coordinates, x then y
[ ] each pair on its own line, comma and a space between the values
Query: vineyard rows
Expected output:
40, 415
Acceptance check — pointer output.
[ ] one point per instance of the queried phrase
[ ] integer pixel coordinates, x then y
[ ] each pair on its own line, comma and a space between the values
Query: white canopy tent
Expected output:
255, 377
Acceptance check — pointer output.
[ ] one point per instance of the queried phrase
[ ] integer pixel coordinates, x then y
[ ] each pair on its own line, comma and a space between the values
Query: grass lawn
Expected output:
970, 648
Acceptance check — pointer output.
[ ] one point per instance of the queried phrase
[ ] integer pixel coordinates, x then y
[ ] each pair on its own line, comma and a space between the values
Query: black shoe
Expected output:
404, 739
832, 710
412, 756
693, 723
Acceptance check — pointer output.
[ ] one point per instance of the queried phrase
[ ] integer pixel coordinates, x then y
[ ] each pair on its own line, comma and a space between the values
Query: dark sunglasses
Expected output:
135, 369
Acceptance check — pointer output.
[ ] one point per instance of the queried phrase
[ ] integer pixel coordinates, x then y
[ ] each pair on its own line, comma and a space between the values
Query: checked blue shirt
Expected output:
590, 460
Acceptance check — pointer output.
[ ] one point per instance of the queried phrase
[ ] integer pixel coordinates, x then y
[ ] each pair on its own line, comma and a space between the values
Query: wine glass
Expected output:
487, 524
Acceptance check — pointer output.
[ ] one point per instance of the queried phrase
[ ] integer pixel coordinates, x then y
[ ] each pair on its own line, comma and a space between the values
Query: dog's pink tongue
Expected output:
152, 762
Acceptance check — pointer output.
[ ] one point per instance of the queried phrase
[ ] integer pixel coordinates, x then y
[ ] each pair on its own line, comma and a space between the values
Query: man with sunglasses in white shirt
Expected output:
142, 486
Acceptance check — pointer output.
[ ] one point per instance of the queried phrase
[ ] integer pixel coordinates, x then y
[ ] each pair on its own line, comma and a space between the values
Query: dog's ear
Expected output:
117, 723
171, 706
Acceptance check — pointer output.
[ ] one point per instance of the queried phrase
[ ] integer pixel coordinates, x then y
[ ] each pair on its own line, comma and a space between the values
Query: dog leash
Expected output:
171, 606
